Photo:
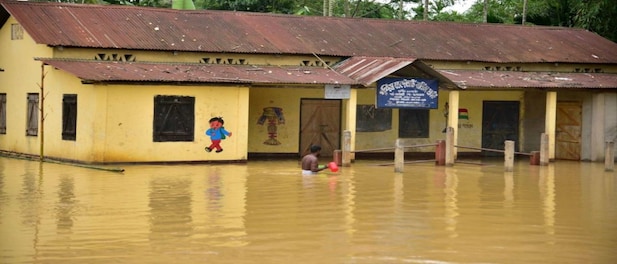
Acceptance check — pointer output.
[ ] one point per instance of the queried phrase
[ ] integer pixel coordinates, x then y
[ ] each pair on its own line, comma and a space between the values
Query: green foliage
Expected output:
499, 11
435, 10
599, 16
261, 6
367, 9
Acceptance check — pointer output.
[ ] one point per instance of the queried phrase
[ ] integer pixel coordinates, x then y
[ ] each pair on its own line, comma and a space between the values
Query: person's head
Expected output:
216, 122
315, 149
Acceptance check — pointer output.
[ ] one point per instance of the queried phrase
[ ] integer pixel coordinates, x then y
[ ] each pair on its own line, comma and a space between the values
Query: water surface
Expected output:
267, 212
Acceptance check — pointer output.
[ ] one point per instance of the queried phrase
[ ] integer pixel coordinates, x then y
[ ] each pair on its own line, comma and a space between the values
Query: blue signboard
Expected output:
407, 93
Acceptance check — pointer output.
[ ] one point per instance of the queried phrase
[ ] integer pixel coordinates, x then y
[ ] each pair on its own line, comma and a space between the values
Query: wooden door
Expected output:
499, 123
568, 131
320, 124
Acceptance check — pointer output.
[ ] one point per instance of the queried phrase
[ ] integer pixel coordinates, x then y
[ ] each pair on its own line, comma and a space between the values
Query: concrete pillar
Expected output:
453, 103
337, 157
544, 150
534, 159
509, 156
346, 148
399, 156
450, 146
550, 122
440, 153
351, 105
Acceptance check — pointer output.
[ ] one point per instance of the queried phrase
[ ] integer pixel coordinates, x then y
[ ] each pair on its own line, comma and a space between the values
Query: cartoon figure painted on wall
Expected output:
274, 116
216, 132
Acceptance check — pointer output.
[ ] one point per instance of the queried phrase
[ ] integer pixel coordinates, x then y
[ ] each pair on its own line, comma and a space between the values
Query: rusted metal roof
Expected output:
109, 72
473, 79
368, 70
142, 28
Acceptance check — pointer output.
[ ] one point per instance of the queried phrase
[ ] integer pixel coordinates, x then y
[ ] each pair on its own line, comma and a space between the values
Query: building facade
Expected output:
111, 84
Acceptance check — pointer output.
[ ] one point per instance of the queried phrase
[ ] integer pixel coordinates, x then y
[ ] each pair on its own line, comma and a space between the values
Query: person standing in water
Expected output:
310, 162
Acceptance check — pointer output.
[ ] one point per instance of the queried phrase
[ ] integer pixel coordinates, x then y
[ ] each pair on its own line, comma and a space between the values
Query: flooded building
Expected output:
107, 84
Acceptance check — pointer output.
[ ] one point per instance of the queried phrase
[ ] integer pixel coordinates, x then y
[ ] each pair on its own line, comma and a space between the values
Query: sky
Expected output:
460, 6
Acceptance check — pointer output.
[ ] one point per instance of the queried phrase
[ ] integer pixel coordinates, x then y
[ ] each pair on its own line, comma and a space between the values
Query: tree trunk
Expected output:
325, 7
485, 11
524, 12
426, 9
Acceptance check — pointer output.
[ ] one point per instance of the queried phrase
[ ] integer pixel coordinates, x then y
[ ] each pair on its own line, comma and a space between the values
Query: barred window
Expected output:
69, 117
174, 118
413, 123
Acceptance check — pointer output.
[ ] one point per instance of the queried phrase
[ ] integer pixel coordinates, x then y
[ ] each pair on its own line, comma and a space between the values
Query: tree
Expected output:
599, 16
261, 6
430, 9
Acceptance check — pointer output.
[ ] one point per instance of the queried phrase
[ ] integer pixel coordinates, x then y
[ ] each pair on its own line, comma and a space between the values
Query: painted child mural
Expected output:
216, 132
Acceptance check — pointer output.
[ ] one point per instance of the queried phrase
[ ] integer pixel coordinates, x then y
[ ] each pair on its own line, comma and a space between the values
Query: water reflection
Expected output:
267, 212
3, 195
170, 209
508, 189
546, 185
66, 204
30, 195
450, 201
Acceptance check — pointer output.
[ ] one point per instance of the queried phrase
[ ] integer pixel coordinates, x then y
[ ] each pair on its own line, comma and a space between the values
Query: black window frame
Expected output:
3, 113
69, 117
32, 115
174, 119
414, 123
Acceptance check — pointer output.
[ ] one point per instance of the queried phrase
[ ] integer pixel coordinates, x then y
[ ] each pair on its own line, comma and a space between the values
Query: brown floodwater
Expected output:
267, 212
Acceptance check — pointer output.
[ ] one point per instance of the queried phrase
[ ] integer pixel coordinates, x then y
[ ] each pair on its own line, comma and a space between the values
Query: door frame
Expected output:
337, 145
516, 127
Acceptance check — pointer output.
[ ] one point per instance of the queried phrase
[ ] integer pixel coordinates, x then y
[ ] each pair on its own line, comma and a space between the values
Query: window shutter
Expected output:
32, 128
69, 117
3, 113
174, 118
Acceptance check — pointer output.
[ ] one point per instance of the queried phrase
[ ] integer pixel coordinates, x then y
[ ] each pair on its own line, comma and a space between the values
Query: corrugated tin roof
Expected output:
468, 79
142, 28
109, 71
368, 70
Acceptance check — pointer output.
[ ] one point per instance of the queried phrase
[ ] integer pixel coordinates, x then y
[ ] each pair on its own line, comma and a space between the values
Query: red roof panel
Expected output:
108, 71
370, 69
468, 79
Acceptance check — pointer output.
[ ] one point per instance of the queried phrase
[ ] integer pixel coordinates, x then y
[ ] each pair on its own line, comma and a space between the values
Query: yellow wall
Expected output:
128, 134
470, 131
192, 57
22, 75
288, 134
115, 122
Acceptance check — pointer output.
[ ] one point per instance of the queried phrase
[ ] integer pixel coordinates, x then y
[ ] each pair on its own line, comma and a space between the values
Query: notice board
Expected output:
407, 93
